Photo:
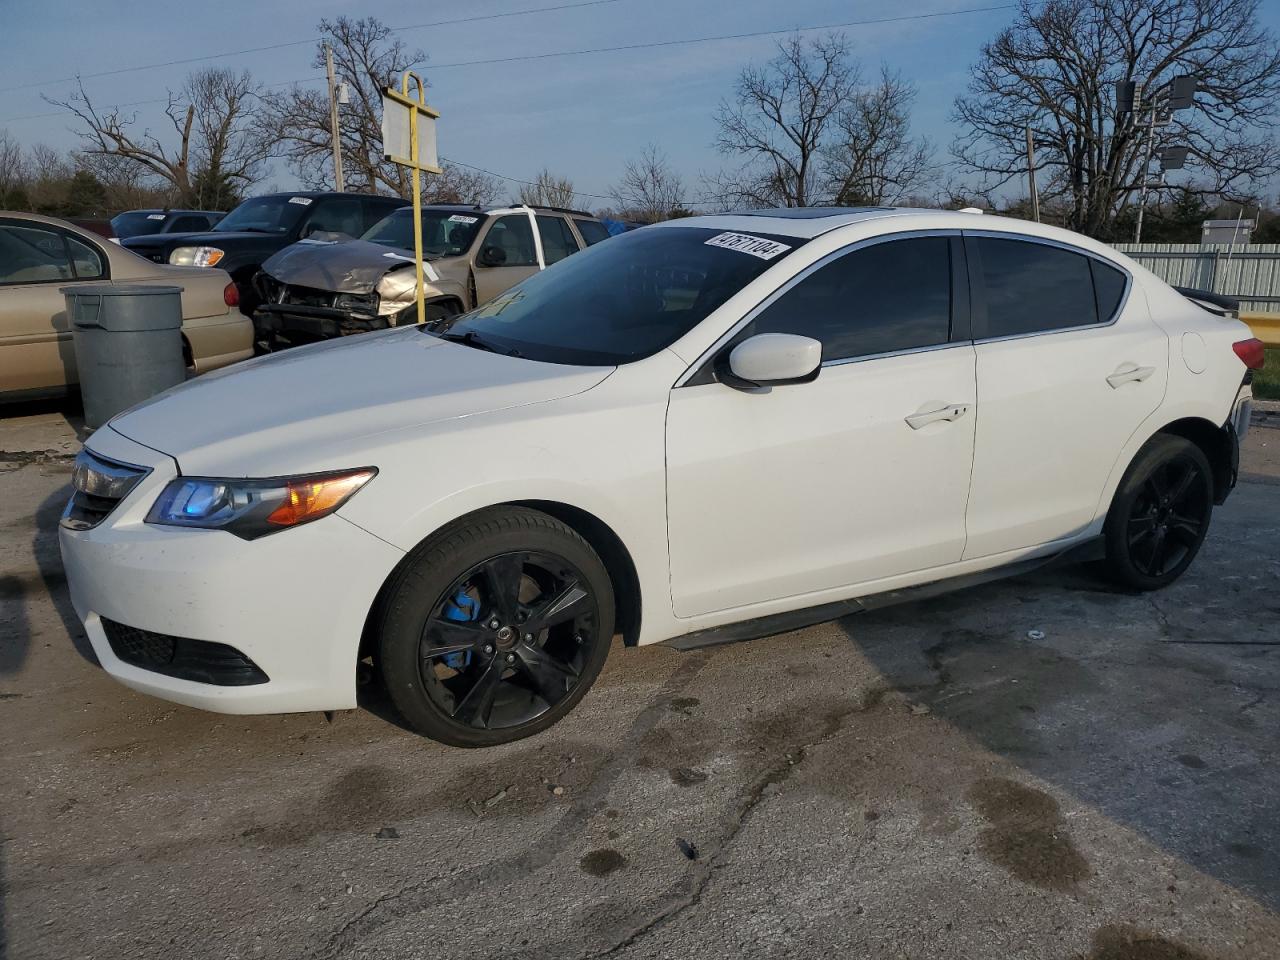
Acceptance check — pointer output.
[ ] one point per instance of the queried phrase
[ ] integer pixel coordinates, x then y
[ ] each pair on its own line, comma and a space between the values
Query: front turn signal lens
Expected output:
310, 499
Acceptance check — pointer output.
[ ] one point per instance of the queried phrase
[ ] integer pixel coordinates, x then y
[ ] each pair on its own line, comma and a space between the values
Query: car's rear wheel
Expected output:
1160, 514
495, 628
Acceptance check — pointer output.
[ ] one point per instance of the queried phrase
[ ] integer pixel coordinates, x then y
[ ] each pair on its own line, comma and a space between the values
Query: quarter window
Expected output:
557, 241
1108, 289
1033, 287
511, 235
883, 298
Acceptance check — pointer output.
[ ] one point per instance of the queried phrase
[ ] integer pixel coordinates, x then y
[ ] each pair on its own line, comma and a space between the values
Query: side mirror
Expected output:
492, 257
771, 360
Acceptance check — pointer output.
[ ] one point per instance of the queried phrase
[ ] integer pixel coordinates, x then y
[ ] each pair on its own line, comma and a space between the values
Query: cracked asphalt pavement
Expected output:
1038, 768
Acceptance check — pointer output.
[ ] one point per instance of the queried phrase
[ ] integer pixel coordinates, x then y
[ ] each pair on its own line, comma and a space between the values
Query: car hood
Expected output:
348, 266
297, 411
207, 239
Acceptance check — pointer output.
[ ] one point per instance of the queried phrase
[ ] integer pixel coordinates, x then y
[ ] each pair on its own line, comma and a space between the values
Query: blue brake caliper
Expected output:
462, 608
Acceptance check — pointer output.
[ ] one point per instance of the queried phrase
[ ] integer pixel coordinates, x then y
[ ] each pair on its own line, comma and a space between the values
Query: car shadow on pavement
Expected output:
48, 558
1096, 692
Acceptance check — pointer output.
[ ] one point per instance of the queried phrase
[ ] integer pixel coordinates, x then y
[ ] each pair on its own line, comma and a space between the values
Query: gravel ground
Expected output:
1040, 768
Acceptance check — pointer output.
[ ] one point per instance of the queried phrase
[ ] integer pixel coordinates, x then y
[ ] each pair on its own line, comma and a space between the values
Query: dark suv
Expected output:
260, 226
138, 223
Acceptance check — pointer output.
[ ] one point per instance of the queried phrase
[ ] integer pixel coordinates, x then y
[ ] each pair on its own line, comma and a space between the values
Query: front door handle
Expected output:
952, 411
1129, 373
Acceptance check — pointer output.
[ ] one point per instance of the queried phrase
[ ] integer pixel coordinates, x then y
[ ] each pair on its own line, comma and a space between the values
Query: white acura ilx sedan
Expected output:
706, 430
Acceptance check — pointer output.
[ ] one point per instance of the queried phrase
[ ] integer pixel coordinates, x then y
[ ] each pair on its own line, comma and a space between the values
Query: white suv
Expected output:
709, 429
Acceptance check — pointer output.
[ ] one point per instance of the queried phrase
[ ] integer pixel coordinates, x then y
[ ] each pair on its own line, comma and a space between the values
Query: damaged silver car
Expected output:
331, 286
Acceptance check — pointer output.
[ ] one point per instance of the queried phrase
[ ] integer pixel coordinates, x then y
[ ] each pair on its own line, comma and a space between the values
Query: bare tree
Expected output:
547, 190
368, 58
778, 120
229, 147
12, 171
458, 184
649, 189
1055, 70
872, 159
214, 134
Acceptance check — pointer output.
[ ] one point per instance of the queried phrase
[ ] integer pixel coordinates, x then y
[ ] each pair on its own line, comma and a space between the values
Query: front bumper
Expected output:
295, 602
290, 321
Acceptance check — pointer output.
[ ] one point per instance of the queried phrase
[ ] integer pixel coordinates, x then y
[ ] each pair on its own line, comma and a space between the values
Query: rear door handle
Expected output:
1129, 373
952, 411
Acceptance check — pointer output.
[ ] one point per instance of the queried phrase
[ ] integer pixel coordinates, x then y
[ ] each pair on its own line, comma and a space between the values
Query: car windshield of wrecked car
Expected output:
265, 215
444, 233
624, 300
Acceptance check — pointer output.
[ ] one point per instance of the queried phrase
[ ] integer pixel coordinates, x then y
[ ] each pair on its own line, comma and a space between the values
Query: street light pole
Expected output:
334, 134
1146, 167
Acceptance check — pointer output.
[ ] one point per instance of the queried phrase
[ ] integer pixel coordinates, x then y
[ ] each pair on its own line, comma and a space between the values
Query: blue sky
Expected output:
582, 117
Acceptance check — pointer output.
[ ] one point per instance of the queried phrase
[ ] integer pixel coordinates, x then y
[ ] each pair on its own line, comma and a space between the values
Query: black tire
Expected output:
470, 665
1160, 514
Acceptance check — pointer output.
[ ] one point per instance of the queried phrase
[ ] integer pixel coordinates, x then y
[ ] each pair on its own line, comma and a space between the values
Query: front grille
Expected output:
181, 657
159, 258
98, 485
307, 296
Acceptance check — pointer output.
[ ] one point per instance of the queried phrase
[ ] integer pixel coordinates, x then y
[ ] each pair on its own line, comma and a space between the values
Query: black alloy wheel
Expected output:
522, 647
495, 627
1160, 514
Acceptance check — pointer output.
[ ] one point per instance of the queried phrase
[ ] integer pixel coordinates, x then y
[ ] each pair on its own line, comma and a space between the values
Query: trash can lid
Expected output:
107, 289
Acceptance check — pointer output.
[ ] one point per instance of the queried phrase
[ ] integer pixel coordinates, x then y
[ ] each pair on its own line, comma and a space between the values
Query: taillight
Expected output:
1250, 352
230, 295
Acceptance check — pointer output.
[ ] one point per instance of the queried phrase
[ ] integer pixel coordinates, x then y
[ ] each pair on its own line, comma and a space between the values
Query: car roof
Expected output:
809, 222
170, 211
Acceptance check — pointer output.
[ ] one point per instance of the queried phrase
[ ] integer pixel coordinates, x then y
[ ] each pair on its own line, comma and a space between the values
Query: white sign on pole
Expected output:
395, 134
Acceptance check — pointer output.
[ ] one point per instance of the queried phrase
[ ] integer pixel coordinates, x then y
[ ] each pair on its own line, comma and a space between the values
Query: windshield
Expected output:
137, 224
445, 233
623, 300
265, 215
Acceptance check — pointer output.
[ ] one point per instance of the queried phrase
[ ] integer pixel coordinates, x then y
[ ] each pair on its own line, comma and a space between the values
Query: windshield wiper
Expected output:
468, 339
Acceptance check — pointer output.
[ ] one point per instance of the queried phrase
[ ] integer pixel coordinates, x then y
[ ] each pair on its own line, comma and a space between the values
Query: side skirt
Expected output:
1091, 549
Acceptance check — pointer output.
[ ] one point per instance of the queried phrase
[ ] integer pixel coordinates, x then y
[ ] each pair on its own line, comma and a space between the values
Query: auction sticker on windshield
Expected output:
745, 243
460, 218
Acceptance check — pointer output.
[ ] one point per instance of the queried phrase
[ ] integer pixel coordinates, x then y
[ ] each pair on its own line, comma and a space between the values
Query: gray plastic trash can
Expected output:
128, 344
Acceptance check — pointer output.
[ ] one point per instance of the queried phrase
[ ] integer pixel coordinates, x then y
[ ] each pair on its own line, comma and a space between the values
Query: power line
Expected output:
720, 37
298, 43
632, 46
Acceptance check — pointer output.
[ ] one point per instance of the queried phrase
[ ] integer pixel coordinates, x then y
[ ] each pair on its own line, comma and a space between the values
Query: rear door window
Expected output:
1032, 287
32, 253
557, 240
593, 231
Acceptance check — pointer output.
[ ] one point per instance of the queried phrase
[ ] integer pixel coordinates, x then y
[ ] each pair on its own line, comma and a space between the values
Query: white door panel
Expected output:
1053, 411
801, 488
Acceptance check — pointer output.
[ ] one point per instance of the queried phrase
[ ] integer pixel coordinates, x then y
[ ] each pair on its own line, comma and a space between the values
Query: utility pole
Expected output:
334, 135
1031, 175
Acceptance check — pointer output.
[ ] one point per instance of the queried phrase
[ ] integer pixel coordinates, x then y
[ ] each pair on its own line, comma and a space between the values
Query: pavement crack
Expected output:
764, 786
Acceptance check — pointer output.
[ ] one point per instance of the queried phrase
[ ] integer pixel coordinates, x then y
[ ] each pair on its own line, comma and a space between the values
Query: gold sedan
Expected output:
39, 255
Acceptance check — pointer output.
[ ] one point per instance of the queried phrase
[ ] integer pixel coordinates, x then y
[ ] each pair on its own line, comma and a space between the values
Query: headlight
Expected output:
196, 257
360, 305
254, 508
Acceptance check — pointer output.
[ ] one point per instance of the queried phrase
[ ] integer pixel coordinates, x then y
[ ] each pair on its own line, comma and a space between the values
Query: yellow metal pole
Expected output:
417, 196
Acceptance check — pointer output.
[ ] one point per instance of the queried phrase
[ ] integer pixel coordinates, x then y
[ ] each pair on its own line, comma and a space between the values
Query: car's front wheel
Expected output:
1160, 514
495, 628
